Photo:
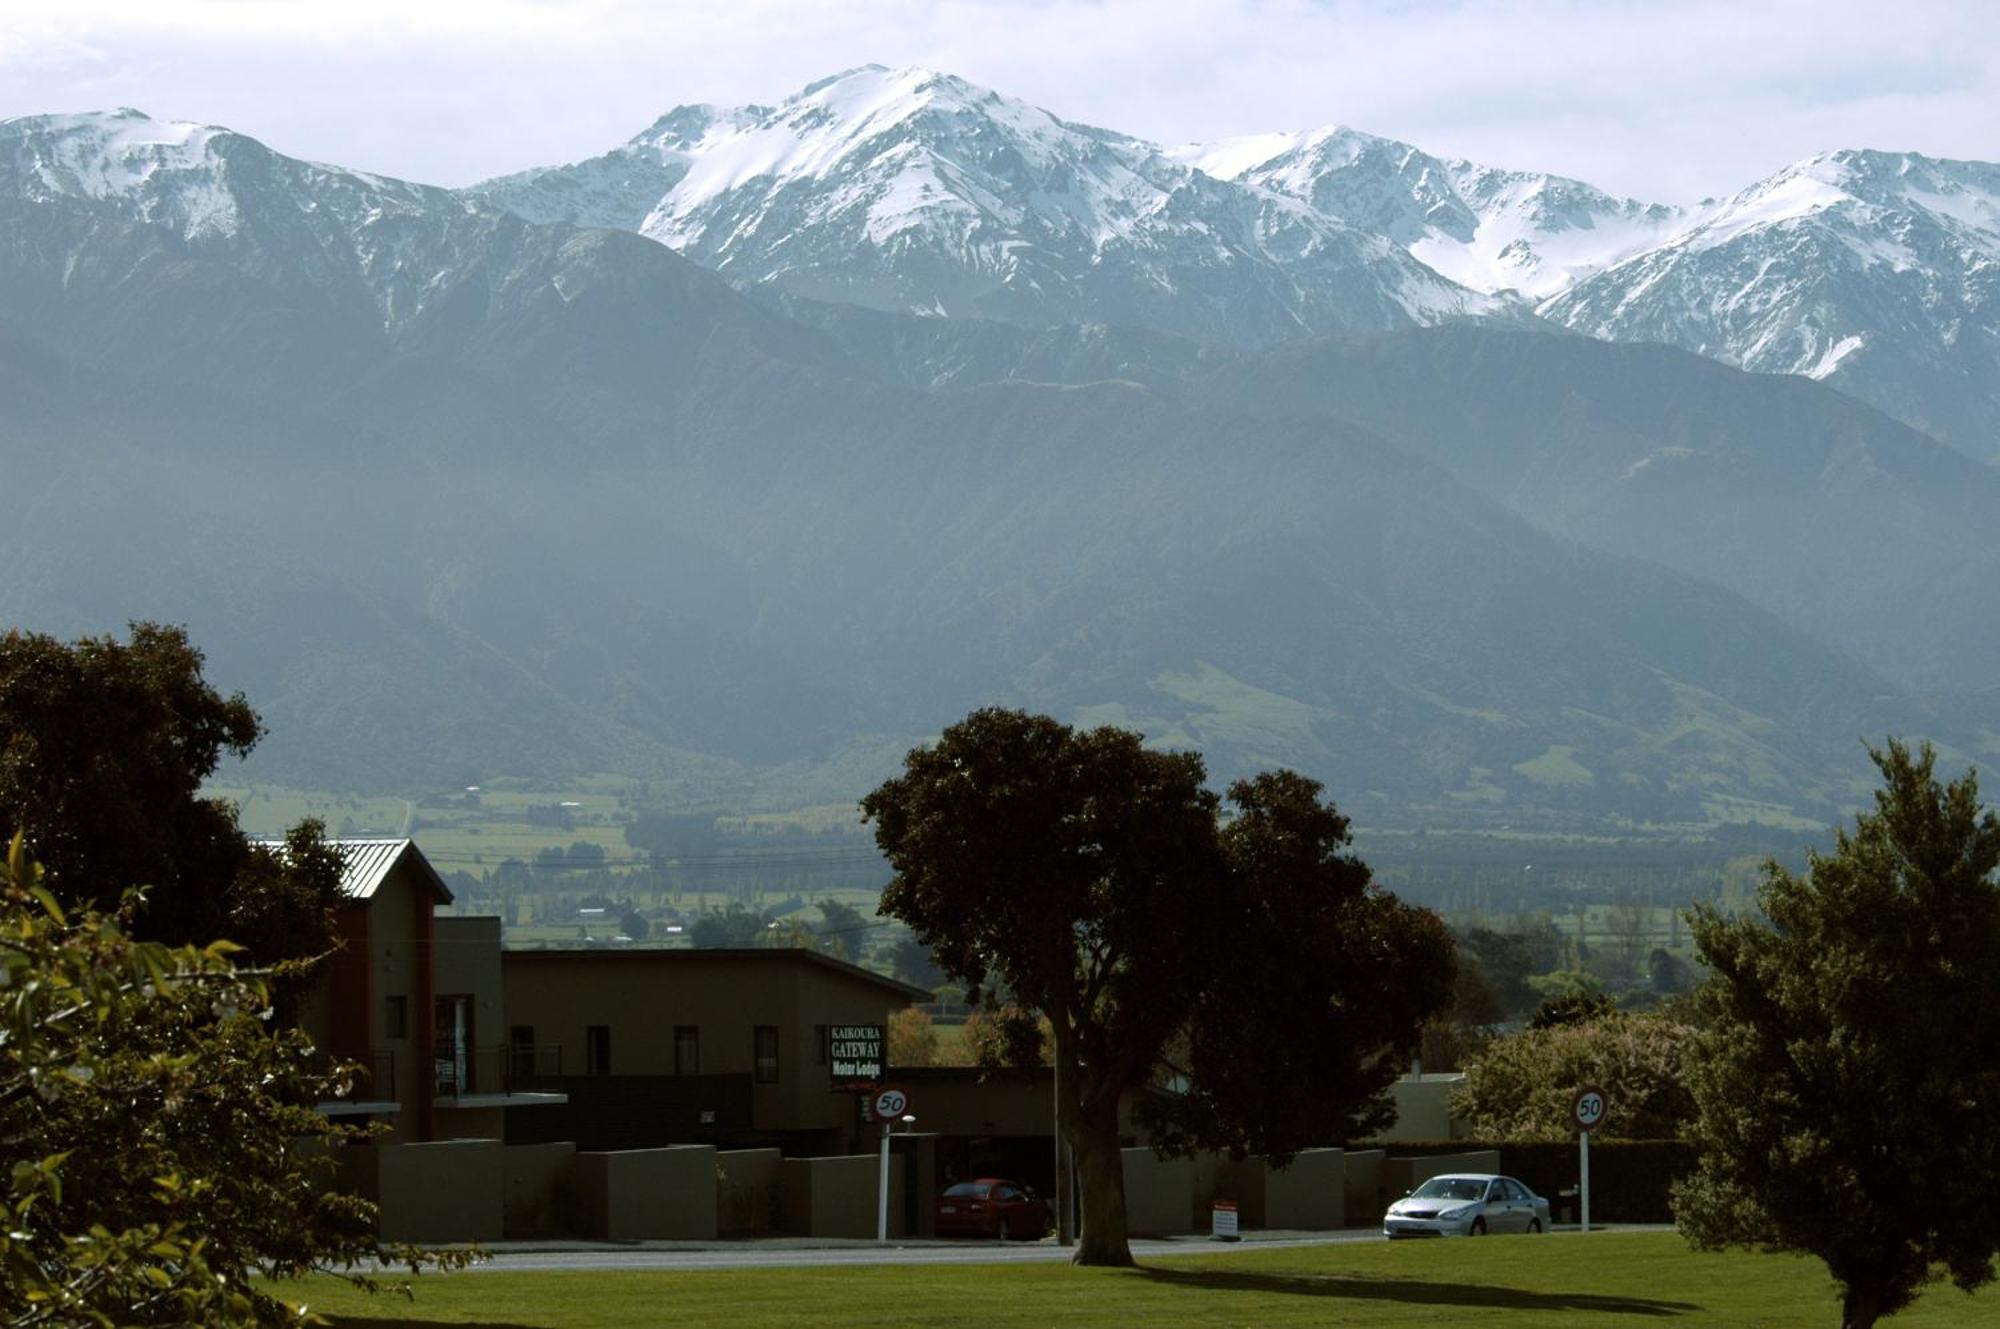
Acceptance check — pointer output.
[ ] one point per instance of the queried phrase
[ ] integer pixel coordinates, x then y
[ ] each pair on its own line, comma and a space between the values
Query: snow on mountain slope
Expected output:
915, 191
1487, 229
1876, 272
284, 221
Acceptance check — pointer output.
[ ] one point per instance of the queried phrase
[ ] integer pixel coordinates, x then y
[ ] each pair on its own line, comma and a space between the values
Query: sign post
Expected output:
887, 1107
1588, 1113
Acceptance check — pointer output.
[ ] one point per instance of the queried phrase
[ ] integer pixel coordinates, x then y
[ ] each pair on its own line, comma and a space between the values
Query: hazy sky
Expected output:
1666, 99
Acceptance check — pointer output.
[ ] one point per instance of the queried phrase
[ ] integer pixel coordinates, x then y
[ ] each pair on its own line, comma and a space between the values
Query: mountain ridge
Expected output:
450, 492
1737, 279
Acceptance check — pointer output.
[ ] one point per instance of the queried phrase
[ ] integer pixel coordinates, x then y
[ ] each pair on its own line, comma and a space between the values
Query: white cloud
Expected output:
1673, 98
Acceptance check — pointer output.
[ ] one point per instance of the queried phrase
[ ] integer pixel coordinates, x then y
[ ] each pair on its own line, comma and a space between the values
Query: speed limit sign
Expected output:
889, 1104
1589, 1109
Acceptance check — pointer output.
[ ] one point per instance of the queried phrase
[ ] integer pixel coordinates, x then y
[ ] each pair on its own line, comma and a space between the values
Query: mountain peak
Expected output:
125, 158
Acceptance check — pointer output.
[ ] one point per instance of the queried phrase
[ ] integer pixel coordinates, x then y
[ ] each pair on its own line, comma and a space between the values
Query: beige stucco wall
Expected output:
1422, 1108
1366, 1192
392, 965
468, 964
1402, 1174
1159, 1192
442, 1191
1309, 1193
837, 1196
648, 1194
539, 1198
746, 1192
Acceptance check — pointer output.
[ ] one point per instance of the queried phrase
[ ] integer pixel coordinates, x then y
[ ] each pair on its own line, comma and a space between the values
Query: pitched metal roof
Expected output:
366, 864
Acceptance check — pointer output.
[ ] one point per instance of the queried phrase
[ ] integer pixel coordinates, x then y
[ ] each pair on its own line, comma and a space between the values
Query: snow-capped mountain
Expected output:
1876, 272
206, 189
915, 191
1487, 229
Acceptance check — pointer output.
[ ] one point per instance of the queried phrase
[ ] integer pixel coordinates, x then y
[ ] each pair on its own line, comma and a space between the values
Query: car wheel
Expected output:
1535, 1226
1478, 1228
1006, 1232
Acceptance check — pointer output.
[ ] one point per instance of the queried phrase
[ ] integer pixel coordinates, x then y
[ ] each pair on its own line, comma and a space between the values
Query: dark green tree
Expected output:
910, 961
1573, 1007
1089, 878
1504, 961
104, 746
1848, 1105
1315, 987
733, 928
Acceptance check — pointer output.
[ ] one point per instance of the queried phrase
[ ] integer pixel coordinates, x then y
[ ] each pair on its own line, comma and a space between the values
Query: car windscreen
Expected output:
1451, 1188
967, 1190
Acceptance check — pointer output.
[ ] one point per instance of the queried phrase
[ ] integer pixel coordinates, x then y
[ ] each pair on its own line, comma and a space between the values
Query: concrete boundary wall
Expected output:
665, 1194
1308, 1194
446, 1191
1159, 1192
1366, 1193
540, 1195
1403, 1174
835, 1196
746, 1192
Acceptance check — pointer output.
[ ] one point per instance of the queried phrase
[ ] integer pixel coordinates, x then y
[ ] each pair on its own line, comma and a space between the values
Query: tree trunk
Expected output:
1102, 1166
1858, 1310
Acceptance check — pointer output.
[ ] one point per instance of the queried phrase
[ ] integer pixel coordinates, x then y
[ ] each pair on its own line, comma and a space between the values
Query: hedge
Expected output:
1628, 1178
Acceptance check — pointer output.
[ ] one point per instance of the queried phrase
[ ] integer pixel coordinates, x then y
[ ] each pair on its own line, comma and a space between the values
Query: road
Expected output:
526, 1257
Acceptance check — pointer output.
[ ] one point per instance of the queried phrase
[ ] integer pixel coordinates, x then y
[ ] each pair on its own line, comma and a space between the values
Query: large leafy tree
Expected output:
1848, 1102
104, 745
1090, 879
157, 1131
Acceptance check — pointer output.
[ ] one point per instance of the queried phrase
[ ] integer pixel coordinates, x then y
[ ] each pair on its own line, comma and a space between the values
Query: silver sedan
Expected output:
1466, 1204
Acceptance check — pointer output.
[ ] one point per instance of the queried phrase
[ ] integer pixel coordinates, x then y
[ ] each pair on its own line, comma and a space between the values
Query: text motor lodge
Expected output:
856, 1051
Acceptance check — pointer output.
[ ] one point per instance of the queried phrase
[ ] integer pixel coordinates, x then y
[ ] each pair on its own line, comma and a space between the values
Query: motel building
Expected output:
640, 1094
670, 1093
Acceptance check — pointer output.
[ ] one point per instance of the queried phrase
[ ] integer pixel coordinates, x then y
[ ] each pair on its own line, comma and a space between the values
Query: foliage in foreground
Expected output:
159, 1135
1848, 1097
1522, 1087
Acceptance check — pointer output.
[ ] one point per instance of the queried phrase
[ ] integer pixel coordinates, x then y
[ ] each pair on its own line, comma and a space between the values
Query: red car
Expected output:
990, 1207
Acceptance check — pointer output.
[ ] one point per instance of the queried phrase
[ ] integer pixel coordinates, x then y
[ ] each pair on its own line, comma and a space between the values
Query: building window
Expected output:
766, 1048
687, 1049
396, 1017
597, 1049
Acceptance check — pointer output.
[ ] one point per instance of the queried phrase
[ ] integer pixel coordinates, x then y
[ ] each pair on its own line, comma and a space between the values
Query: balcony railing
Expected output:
496, 1068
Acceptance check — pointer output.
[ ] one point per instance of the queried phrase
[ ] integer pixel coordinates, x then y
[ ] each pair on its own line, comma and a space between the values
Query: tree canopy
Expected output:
1848, 1103
104, 745
1521, 1087
1247, 975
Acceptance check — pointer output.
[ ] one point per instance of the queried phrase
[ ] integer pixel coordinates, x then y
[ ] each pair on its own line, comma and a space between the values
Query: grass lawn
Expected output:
1605, 1279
